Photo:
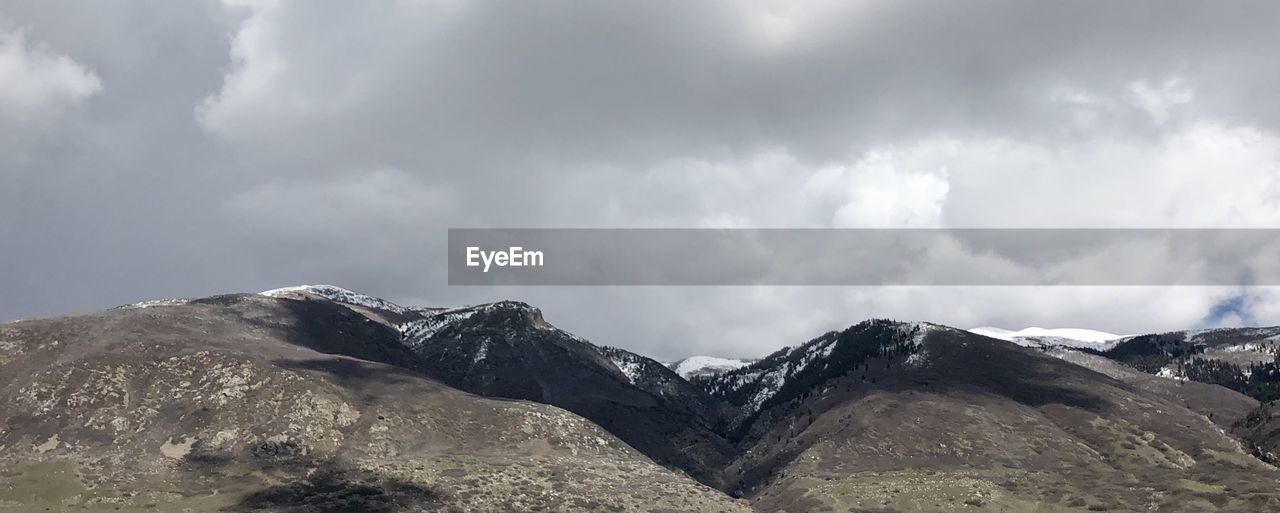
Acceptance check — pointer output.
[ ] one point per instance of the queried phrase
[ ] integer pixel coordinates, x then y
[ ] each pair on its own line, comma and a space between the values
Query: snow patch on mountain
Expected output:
706, 365
1203, 336
1251, 347
339, 294
766, 381
1051, 337
629, 367
1080, 334
156, 302
1171, 373
416, 333
919, 356
770, 382
920, 330
917, 359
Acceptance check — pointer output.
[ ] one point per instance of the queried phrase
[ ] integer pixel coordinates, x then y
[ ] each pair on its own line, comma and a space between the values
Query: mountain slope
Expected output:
902, 417
778, 381
1242, 359
1221, 405
253, 403
508, 350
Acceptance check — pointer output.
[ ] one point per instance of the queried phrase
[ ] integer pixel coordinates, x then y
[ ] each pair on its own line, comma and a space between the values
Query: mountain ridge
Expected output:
244, 402
881, 416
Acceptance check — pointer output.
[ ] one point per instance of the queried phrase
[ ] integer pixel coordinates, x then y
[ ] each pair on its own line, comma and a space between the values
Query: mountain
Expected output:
913, 417
1237, 346
1242, 359
1052, 337
378, 309
1221, 405
1257, 425
255, 403
702, 366
320, 399
340, 295
1246, 360
506, 349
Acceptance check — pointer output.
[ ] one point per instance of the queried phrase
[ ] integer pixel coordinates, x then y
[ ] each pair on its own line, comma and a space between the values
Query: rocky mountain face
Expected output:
255, 403
316, 398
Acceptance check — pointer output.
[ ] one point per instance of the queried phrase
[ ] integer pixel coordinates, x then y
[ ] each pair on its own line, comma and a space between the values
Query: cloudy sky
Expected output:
171, 149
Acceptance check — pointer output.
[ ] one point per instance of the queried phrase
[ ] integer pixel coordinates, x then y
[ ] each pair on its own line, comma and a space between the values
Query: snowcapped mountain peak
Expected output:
1041, 337
993, 332
339, 294
1080, 334
509, 305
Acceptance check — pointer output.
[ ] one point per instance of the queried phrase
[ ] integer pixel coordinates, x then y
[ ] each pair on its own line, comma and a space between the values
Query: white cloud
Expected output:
1261, 305
257, 67
37, 84
1202, 175
891, 189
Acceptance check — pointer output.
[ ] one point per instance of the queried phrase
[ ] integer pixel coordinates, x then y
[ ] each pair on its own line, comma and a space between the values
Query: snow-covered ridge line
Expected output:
156, 302
338, 294
416, 333
427, 321
1199, 336
1049, 337
1080, 334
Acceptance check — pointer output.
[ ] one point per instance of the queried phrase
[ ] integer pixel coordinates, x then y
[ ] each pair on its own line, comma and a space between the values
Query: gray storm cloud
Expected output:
201, 147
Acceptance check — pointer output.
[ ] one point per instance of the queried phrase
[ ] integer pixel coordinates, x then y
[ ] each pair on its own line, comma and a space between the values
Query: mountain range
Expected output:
317, 398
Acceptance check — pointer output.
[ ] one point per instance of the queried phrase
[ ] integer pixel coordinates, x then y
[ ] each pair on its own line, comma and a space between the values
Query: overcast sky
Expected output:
156, 149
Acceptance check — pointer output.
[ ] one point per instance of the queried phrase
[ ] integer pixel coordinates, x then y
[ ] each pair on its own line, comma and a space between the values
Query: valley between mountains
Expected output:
320, 399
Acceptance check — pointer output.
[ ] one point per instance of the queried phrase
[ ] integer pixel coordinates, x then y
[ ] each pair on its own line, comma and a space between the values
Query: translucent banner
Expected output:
864, 257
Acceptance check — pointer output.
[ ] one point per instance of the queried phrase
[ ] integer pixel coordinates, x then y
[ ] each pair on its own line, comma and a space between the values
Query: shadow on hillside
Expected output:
335, 329
971, 364
320, 326
332, 488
